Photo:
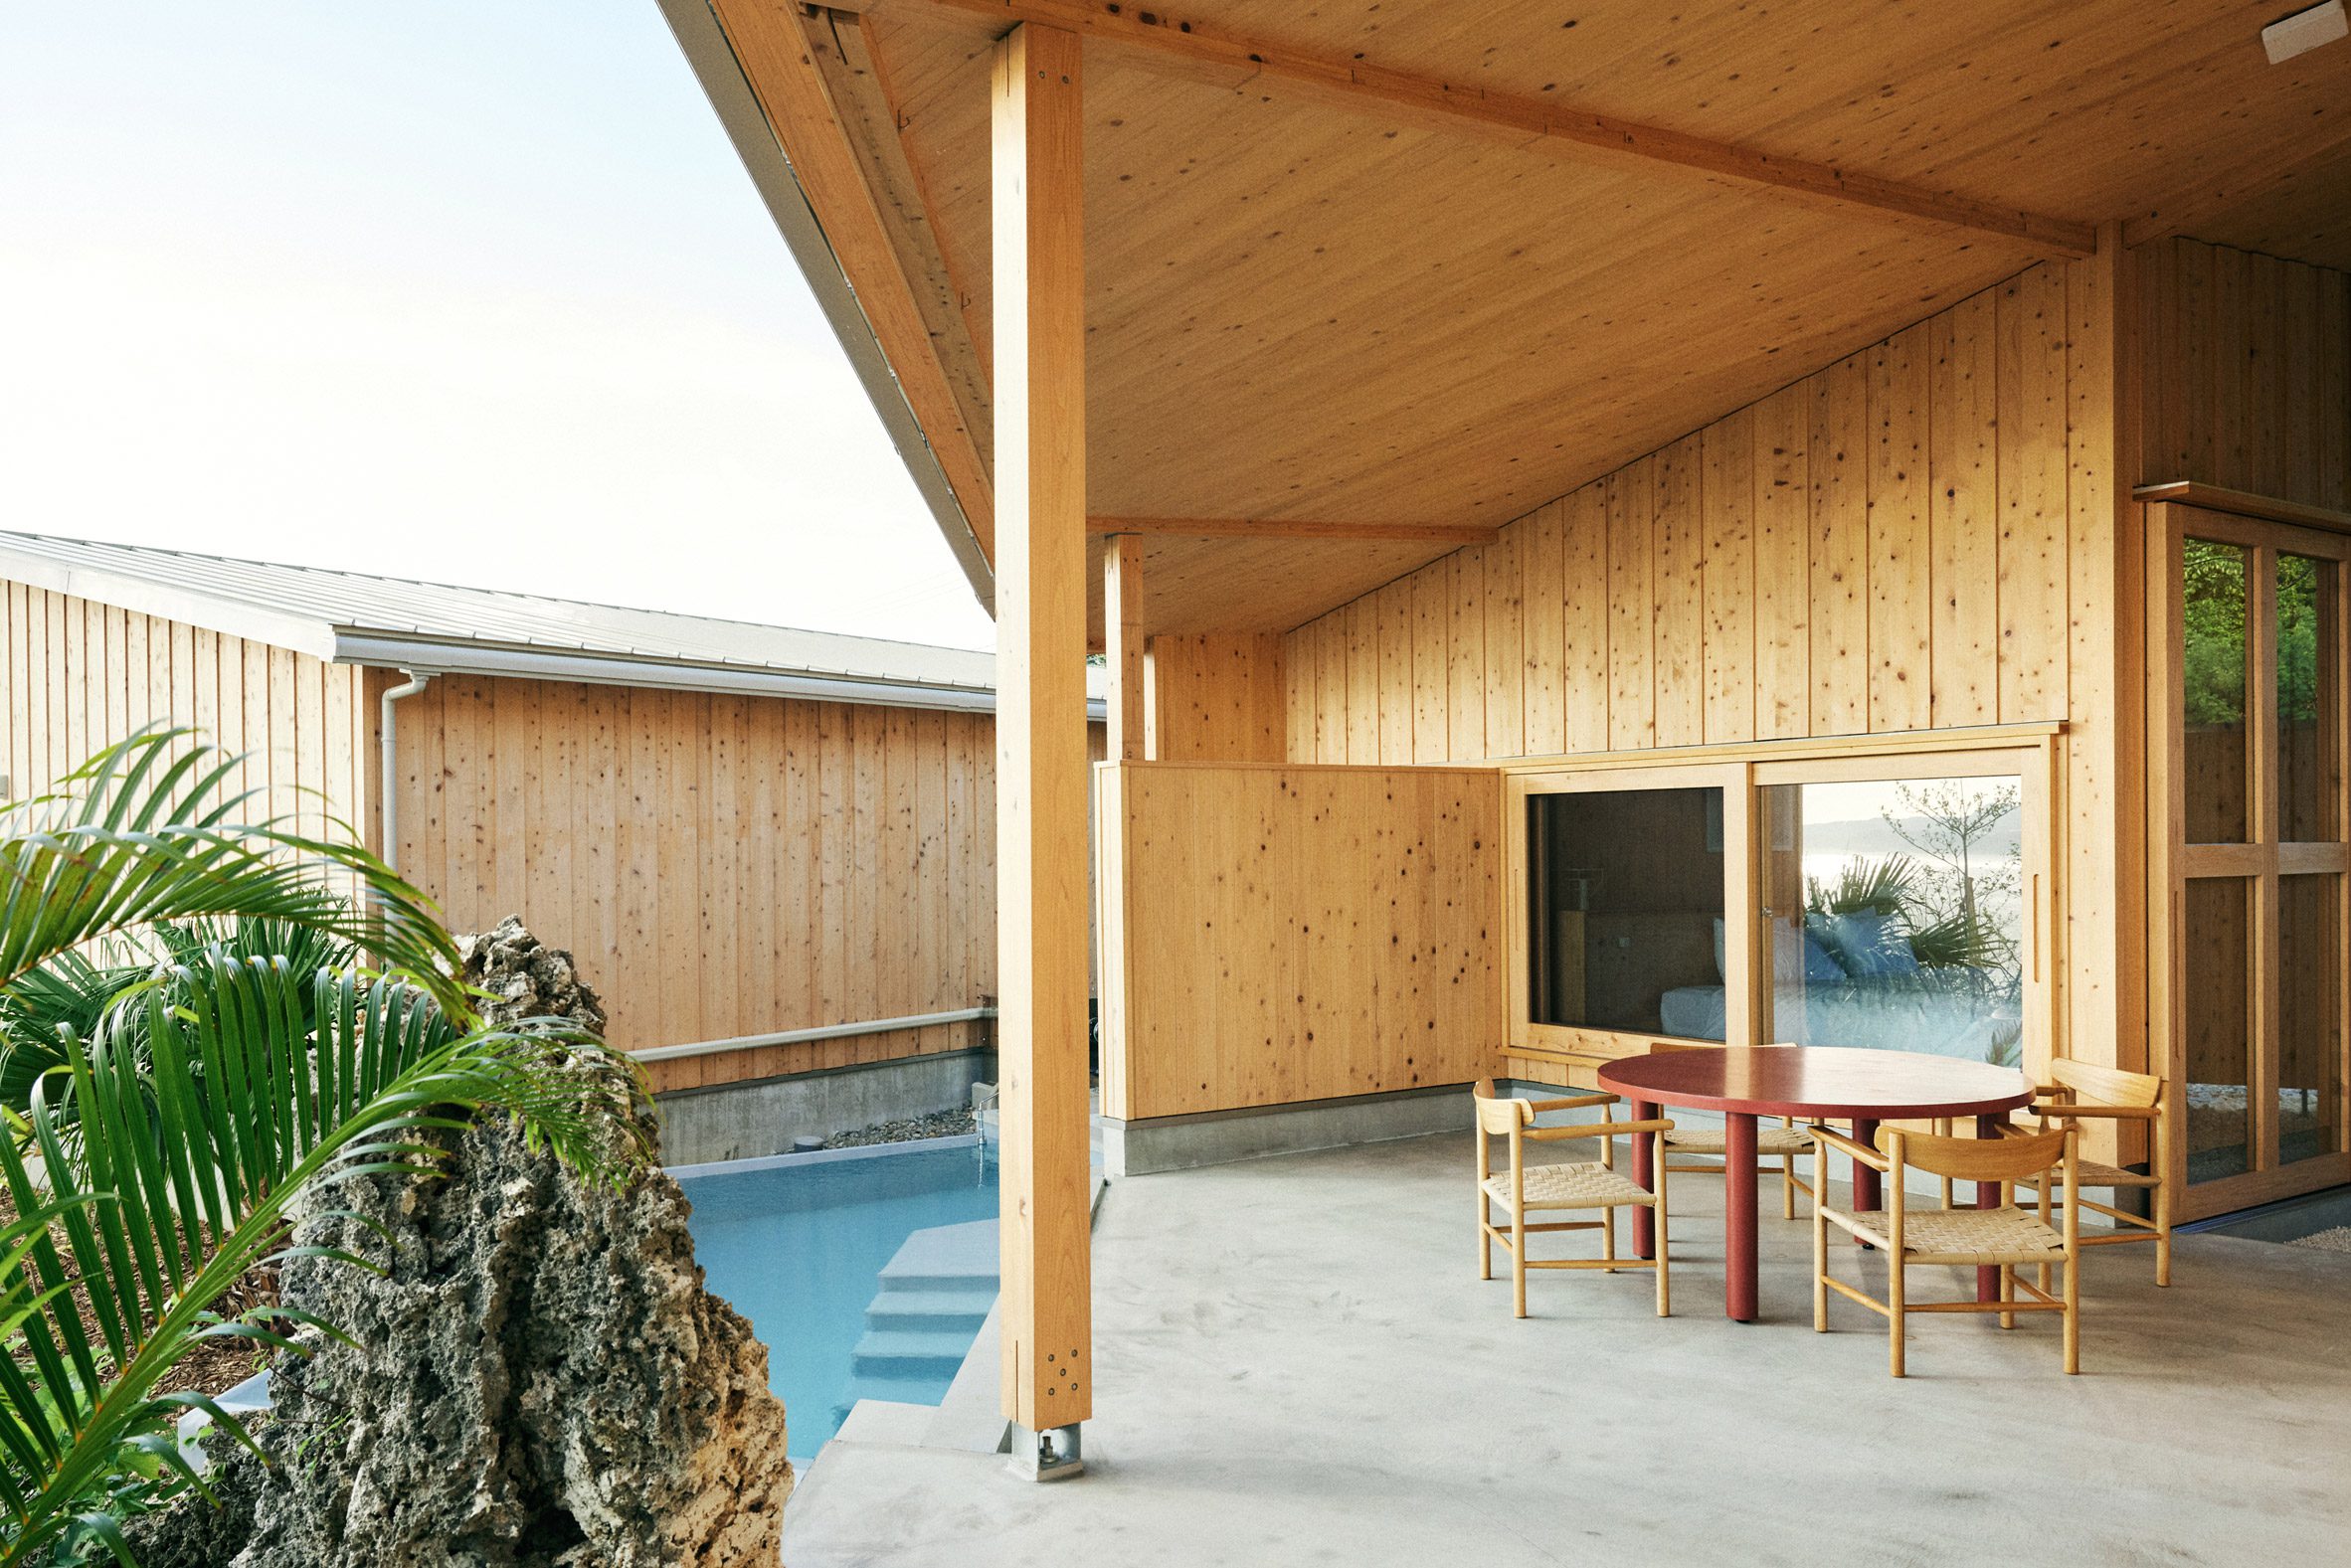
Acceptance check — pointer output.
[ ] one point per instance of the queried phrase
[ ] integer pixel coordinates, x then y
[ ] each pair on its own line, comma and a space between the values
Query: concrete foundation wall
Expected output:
748, 1119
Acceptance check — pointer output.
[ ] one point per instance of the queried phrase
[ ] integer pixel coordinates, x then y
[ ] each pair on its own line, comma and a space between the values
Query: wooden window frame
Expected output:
2027, 753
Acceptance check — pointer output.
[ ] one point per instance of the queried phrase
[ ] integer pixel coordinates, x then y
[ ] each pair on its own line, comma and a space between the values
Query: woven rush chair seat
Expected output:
1579, 1186
1965, 1236
2090, 1173
1521, 1189
1713, 1141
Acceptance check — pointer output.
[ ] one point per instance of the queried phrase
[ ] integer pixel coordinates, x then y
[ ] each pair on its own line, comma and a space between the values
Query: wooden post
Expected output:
1041, 731
1122, 641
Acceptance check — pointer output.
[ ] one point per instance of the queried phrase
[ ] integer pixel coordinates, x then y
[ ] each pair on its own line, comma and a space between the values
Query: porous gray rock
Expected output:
540, 1382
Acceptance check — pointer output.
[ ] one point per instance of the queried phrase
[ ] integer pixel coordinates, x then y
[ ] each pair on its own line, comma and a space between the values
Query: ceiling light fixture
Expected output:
2304, 31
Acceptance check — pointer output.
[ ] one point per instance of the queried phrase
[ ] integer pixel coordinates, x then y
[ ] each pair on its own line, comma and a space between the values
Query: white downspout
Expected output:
389, 786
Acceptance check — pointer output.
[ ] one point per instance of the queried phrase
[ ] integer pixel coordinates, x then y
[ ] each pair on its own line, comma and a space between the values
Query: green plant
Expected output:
208, 1097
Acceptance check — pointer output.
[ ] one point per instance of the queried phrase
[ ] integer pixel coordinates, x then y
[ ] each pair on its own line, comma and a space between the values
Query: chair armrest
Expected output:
1571, 1103
1600, 1128
1825, 1139
2072, 1109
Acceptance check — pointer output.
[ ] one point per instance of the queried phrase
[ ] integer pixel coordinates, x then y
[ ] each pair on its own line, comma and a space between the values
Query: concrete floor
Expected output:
1296, 1363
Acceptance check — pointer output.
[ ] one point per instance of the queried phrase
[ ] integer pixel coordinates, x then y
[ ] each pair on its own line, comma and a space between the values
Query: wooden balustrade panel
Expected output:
1297, 932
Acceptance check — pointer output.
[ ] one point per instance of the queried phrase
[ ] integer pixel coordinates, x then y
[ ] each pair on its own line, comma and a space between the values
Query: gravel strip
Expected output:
939, 1124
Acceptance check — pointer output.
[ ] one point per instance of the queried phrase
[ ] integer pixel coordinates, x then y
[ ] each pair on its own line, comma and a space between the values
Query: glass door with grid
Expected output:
2247, 780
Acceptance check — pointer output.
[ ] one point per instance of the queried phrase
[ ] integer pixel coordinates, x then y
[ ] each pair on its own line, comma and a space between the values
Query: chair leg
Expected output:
1484, 1238
2073, 1313
1517, 1262
1819, 1258
2163, 1234
1788, 1186
1895, 1326
1664, 1292
2047, 1184
2007, 1294
1608, 1237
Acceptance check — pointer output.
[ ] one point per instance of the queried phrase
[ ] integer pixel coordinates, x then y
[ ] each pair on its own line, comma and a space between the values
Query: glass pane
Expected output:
1895, 916
2211, 698
2310, 1017
2216, 940
1625, 918
2307, 694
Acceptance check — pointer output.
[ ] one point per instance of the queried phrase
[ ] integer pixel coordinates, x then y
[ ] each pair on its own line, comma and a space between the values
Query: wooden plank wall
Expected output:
1215, 697
1298, 933
1923, 535
79, 675
722, 866
2246, 373
1881, 546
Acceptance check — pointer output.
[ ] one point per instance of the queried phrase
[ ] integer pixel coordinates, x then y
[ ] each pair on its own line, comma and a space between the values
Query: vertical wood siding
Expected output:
722, 866
79, 675
1883, 546
2246, 373
1220, 697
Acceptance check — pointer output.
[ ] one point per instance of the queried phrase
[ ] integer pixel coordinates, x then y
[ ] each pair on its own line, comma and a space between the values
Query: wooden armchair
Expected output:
2001, 1237
2081, 1090
1787, 1140
1524, 1189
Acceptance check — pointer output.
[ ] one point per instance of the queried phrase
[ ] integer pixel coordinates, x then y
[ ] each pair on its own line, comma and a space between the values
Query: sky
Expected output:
470, 292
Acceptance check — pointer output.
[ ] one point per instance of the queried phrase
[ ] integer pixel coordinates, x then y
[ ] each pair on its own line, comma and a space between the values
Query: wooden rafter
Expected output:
778, 58
1281, 528
1516, 118
863, 97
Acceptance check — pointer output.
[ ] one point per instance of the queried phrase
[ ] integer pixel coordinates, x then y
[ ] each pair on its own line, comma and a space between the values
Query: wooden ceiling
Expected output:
1306, 304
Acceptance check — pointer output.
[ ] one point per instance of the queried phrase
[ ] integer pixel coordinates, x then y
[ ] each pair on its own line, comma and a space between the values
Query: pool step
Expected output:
908, 1353
945, 1309
935, 1294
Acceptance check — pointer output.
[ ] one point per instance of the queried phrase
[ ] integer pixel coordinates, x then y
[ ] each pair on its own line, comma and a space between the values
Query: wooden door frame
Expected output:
2171, 516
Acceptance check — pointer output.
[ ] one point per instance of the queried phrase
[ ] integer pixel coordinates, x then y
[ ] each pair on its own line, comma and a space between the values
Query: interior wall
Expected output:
1285, 934
2245, 371
1923, 535
1215, 697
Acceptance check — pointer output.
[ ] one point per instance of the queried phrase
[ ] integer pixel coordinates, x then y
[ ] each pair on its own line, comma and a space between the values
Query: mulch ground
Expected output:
214, 1367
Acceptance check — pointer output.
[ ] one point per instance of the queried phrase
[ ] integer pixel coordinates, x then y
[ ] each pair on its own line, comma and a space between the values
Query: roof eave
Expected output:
448, 656
227, 616
714, 65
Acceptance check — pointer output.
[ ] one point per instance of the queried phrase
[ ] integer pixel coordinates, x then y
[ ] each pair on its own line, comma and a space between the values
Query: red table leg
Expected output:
1739, 1218
1867, 1192
1987, 1196
1645, 1175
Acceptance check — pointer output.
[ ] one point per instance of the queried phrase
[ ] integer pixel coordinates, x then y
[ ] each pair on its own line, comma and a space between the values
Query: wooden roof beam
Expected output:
1289, 528
1519, 120
780, 59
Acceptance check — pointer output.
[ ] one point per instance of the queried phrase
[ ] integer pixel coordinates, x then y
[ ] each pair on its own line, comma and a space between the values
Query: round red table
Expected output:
1812, 1084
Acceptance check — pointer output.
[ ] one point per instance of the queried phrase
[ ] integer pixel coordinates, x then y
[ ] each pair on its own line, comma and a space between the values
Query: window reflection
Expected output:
2212, 699
1896, 913
1625, 911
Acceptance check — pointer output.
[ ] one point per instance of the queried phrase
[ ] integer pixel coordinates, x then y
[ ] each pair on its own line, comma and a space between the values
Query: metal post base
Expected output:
1055, 1454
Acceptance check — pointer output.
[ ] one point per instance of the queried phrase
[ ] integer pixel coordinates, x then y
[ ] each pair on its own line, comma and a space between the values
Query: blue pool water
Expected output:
797, 1244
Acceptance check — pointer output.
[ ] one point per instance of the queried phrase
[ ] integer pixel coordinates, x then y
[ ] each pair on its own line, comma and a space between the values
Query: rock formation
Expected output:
541, 1381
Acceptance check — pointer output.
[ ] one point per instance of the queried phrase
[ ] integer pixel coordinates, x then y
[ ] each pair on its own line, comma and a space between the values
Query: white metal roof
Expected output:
352, 619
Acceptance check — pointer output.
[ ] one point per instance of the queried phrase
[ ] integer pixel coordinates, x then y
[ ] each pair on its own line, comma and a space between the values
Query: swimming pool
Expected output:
800, 1244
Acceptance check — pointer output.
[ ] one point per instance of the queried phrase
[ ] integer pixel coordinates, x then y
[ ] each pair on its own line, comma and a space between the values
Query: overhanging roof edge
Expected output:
712, 60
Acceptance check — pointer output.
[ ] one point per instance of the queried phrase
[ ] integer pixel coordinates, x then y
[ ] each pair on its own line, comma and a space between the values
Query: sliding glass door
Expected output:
2251, 857
1849, 894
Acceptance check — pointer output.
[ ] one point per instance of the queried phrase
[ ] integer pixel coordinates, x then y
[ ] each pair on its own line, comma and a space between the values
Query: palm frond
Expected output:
182, 1180
147, 832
